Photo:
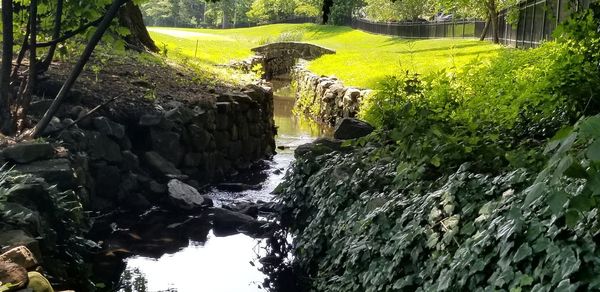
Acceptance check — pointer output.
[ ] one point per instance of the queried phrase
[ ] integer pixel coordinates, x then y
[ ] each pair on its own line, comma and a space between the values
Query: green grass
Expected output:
362, 59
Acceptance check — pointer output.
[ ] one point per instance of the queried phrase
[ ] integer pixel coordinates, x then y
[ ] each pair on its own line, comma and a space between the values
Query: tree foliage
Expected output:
33, 25
386, 10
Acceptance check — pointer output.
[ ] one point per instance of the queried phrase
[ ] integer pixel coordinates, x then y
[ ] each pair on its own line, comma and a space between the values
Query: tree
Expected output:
490, 9
386, 10
138, 38
5, 70
85, 56
44, 27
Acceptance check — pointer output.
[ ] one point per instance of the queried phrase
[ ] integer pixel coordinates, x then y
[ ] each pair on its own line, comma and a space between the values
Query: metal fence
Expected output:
423, 30
537, 19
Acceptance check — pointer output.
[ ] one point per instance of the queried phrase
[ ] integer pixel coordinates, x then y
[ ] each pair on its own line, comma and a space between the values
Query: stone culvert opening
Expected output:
279, 58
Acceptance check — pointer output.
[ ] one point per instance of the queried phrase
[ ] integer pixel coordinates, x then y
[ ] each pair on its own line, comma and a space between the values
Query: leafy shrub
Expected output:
57, 219
365, 221
456, 190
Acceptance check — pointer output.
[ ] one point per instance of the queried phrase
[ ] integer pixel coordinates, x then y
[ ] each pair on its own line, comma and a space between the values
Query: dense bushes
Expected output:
492, 106
365, 221
462, 188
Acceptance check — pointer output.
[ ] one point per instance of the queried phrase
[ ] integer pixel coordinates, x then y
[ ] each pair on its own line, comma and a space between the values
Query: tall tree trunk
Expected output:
55, 35
130, 16
486, 28
23, 103
327, 4
493, 17
87, 53
6, 122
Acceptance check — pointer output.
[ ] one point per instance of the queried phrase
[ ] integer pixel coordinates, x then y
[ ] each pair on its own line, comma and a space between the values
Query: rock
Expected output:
246, 208
101, 147
350, 128
227, 222
181, 115
14, 238
318, 147
167, 144
135, 201
13, 274
130, 161
237, 187
107, 181
54, 171
184, 196
28, 152
149, 120
200, 137
160, 165
53, 126
193, 159
156, 188
109, 128
21, 256
269, 207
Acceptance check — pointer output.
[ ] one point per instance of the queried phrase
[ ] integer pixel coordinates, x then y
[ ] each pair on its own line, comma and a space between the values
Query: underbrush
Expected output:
472, 182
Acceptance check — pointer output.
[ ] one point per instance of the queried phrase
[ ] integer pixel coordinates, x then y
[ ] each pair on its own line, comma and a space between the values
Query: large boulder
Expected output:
227, 222
28, 152
54, 171
184, 196
14, 275
160, 165
318, 147
350, 128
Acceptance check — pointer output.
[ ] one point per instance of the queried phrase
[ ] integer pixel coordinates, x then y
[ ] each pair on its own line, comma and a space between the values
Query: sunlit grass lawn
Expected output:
362, 59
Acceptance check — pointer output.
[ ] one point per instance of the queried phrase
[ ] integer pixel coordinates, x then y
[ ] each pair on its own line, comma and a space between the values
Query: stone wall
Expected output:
128, 162
325, 99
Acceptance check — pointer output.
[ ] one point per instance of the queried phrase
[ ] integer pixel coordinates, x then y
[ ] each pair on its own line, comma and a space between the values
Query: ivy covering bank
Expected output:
474, 180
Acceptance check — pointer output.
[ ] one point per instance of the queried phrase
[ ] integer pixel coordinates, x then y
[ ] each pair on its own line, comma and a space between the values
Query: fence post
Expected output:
533, 6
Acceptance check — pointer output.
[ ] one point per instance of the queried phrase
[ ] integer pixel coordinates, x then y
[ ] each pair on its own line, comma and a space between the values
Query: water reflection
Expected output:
220, 265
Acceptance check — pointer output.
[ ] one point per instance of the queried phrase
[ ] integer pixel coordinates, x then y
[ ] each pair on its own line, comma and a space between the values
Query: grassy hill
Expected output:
362, 59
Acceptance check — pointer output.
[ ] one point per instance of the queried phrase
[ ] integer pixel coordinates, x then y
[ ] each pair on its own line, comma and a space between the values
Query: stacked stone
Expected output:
129, 164
325, 99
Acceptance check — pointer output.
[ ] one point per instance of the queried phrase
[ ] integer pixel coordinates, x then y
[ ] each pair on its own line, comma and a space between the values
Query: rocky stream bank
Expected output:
144, 163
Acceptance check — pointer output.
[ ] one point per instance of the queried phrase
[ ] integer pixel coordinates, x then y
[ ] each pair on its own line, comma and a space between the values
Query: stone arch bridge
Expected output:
280, 58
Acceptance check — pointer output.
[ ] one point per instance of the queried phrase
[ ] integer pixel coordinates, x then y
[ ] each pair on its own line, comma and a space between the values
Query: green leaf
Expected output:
590, 127
523, 252
582, 203
593, 151
557, 201
572, 218
526, 280
564, 164
534, 192
576, 171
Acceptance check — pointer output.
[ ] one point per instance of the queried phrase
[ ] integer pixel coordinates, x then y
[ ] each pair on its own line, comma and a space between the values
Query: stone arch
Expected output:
280, 58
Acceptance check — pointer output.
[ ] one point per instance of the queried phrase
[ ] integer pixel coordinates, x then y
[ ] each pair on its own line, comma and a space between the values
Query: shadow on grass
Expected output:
318, 32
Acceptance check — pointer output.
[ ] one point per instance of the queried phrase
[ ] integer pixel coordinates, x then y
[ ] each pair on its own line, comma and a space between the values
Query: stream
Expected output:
196, 259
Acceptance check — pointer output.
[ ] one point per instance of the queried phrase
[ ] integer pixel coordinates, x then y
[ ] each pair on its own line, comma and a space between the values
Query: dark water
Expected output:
201, 261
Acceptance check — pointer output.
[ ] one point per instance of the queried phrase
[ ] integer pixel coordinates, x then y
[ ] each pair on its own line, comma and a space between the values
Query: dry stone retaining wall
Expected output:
325, 99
